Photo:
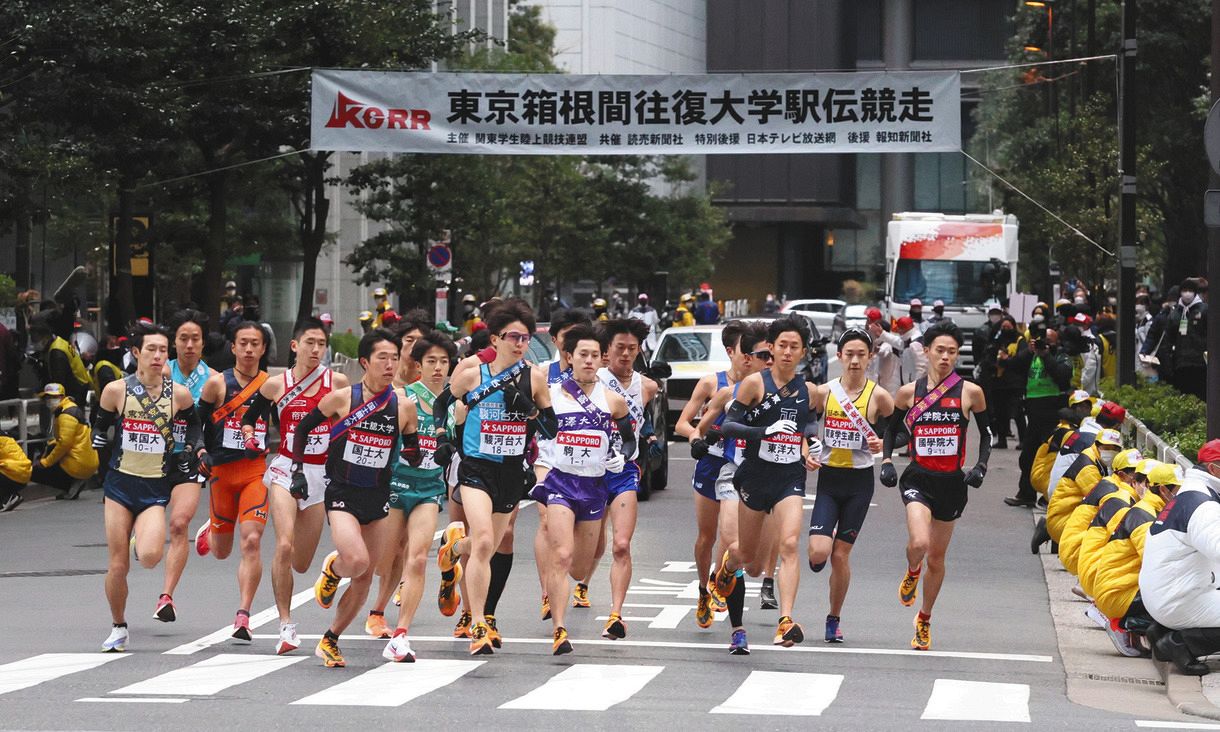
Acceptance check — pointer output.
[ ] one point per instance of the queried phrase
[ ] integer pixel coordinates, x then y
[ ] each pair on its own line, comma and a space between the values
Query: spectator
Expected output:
69, 457
1107, 345
1143, 321
1009, 381
645, 312
328, 322
60, 363
1047, 375
10, 363
599, 309
914, 359
771, 306
1083, 353
885, 367
938, 314
706, 311
229, 299
14, 472
1180, 340
682, 313
618, 306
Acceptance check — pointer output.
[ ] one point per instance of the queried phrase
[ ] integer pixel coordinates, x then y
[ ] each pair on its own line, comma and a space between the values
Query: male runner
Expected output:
189, 370
771, 412
936, 410
501, 397
368, 420
295, 498
855, 409
238, 496
143, 465
417, 491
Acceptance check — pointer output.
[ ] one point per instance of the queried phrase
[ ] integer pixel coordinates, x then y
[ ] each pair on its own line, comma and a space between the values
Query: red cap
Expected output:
905, 324
1111, 414
872, 314
1210, 452
478, 326
389, 317
1083, 320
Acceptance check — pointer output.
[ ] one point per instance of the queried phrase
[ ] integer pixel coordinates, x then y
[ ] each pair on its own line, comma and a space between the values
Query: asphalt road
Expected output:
994, 662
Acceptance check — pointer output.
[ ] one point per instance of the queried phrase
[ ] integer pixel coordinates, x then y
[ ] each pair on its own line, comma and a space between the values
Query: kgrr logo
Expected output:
348, 112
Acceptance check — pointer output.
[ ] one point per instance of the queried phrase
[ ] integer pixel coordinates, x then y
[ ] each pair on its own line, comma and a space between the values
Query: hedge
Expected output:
1178, 419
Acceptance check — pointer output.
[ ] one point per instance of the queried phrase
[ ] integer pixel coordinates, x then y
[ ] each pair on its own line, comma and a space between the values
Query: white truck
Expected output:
968, 261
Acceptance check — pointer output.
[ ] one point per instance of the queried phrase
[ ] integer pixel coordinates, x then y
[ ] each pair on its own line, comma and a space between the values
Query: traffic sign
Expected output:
440, 257
1211, 137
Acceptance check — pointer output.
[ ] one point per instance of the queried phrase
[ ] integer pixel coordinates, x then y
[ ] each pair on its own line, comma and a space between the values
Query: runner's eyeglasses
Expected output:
515, 336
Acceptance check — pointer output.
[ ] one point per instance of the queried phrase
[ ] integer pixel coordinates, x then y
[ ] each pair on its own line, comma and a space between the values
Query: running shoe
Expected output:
833, 634
739, 646
241, 629
767, 595
445, 557
399, 648
561, 645
546, 607
289, 640
923, 634
718, 604
703, 611
1078, 591
1123, 642
165, 609
132, 544
1092, 613
375, 625
580, 595
117, 642
11, 502
480, 643
462, 629
398, 595
202, 543
493, 632
327, 585
449, 596
615, 629
908, 589
328, 651
788, 633
724, 581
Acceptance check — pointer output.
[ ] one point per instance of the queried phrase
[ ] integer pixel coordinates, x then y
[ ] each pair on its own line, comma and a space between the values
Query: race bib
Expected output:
839, 433
235, 440
142, 436
315, 444
780, 448
179, 430
427, 448
578, 449
502, 438
368, 450
936, 440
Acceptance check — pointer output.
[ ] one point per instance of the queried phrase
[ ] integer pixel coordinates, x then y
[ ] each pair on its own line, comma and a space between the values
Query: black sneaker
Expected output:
767, 595
1171, 646
1019, 502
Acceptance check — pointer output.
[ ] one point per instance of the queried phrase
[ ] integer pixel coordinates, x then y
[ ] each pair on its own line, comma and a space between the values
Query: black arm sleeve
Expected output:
441, 406
548, 423
194, 429
627, 433
984, 422
897, 422
103, 420
304, 427
204, 411
881, 425
258, 409
734, 424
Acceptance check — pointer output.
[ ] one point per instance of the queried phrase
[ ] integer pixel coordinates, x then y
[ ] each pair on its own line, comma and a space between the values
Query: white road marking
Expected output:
977, 701
210, 676
587, 687
782, 693
393, 684
669, 617
49, 666
120, 700
1157, 724
679, 567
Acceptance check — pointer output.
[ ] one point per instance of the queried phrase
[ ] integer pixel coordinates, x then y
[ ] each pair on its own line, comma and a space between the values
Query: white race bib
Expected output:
368, 450
315, 444
427, 448
579, 449
142, 436
936, 440
781, 448
502, 438
235, 440
839, 433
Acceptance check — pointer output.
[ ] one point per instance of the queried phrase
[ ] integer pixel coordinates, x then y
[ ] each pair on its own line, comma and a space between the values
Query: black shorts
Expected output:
943, 493
503, 482
842, 502
366, 504
134, 493
763, 486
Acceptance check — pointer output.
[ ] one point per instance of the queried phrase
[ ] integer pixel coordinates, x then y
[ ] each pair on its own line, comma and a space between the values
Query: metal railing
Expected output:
1151, 444
16, 416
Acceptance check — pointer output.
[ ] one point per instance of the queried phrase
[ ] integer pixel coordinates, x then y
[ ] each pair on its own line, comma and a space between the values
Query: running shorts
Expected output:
841, 503
585, 496
366, 504
238, 494
707, 472
762, 487
134, 493
943, 493
279, 474
503, 482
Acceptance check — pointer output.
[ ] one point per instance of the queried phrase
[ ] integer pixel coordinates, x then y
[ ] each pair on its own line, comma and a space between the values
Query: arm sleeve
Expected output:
194, 428
258, 409
103, 420
211, 433
441, 406
734, 424
983, 420
897, 422
624, 429
65, 430
548, 423
304, 427
881, 425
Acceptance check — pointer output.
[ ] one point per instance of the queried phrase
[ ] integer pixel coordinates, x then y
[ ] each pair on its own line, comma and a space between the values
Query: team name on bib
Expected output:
935, 440
368, 450
142, 436
502, 438
780, 448
233, 437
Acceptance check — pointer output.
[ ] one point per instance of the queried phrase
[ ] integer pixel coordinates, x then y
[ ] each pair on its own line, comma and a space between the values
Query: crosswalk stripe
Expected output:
587, 687
38, 669
210, 676
393, 684
782, 693
977, 701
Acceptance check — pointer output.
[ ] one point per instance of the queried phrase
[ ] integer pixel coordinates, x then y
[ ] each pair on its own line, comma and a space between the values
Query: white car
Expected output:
851, 316
692, 352
821, 312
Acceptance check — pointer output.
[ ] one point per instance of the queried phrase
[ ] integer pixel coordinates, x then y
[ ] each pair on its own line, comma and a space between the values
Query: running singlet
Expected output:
780, 448
554, 374
938, 436
194, 383
843, 444
140, 448
492, 433
722, 380
422, 396
583, 440
360, 457
232, 442
292, 414
634, 395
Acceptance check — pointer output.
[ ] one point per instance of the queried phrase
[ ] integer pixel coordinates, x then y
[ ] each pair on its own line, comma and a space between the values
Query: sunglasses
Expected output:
761, 355
515, 336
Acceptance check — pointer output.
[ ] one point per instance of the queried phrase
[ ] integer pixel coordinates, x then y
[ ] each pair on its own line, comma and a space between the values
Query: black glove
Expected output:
516, 401
443, 455
410, 451
714, 435
889, 475
187, 465
974, 478
299, 487
698, 448
656, 449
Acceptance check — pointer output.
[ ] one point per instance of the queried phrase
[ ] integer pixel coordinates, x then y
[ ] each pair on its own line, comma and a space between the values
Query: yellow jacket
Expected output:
1118, 567
683, 316
1108, 490
1095, 537
1075, 484
71, 444
14, 464
1044, 460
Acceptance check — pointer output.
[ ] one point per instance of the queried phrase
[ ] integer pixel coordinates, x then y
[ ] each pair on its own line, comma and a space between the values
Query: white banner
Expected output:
567, 114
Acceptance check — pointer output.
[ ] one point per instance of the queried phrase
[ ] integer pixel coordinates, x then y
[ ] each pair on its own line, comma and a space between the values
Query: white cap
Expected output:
916, 302
938, 304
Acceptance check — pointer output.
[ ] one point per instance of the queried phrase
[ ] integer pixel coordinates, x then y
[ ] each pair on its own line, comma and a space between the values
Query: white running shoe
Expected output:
1092, 613
117, 642
289, 641
1123, 642
1078, 591
399, 650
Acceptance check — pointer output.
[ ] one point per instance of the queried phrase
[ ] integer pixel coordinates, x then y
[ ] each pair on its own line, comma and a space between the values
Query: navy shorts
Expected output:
366, 504
134, 493
761, 488
842, 502
707, 470
628, 480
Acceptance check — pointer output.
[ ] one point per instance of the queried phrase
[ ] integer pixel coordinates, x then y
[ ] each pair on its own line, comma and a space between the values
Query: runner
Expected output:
855, 410
575, 488
501, 397
238, 496
189, 370
933, 485
295, 499
771, 412
417, 491
143, 464
368, 420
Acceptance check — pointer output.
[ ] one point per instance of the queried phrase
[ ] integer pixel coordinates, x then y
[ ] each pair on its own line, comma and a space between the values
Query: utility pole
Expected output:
1126, 164
1213, 259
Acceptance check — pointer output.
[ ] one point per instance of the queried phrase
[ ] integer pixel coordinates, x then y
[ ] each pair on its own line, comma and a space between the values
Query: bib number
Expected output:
502, 438
315, 444
579, 449
233, 437
142, 436
840, 434
936, 441
368, 450
780, 449
427, 448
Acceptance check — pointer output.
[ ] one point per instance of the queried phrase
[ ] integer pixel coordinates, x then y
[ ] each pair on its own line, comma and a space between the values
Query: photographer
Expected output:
1048, 376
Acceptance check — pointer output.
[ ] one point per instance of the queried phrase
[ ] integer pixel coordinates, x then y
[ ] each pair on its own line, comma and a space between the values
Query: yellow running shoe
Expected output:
328, 651
908, 589
449, 596
446, 559
615, 629
492, 631
462, 629
561, 645
375, 626
923, 634
546, 607
480, 641
398, 595
703, 611
327, 584
788, 633
580, 595
724, 581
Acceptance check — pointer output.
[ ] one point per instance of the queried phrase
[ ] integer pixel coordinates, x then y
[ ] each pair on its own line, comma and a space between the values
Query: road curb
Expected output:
1186, 692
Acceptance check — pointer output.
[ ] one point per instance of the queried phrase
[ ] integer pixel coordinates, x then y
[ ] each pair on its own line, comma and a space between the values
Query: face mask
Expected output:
938, 311
1107, 457
1079, 301
1038, 318
1188, 298
1141, 310
53, 404
995, 318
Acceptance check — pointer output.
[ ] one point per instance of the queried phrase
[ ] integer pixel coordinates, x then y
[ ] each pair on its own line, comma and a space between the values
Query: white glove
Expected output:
815, 448
615, 462
785, 426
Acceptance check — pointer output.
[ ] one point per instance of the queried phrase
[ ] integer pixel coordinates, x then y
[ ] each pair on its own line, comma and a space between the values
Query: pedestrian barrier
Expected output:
1151, 445
15, 416
735, 308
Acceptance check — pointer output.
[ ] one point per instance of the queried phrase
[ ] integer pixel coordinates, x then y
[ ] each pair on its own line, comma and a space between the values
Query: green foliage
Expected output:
8, 291
345, 343
1179, 419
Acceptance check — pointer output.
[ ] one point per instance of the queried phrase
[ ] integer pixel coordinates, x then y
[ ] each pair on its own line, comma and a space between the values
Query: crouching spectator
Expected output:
14, 472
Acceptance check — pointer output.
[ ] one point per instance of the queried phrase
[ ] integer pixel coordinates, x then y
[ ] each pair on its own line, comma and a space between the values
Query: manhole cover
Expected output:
53, 573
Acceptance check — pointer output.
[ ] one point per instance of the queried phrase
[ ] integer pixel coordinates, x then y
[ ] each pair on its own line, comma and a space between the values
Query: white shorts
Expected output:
279, 473
724, 483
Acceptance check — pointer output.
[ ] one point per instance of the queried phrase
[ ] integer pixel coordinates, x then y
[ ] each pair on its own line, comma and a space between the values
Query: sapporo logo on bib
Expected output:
367, 449
780, 448
502, 438
935, 440
577, 448
427, 448
141, 435
840, 433
235, 440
